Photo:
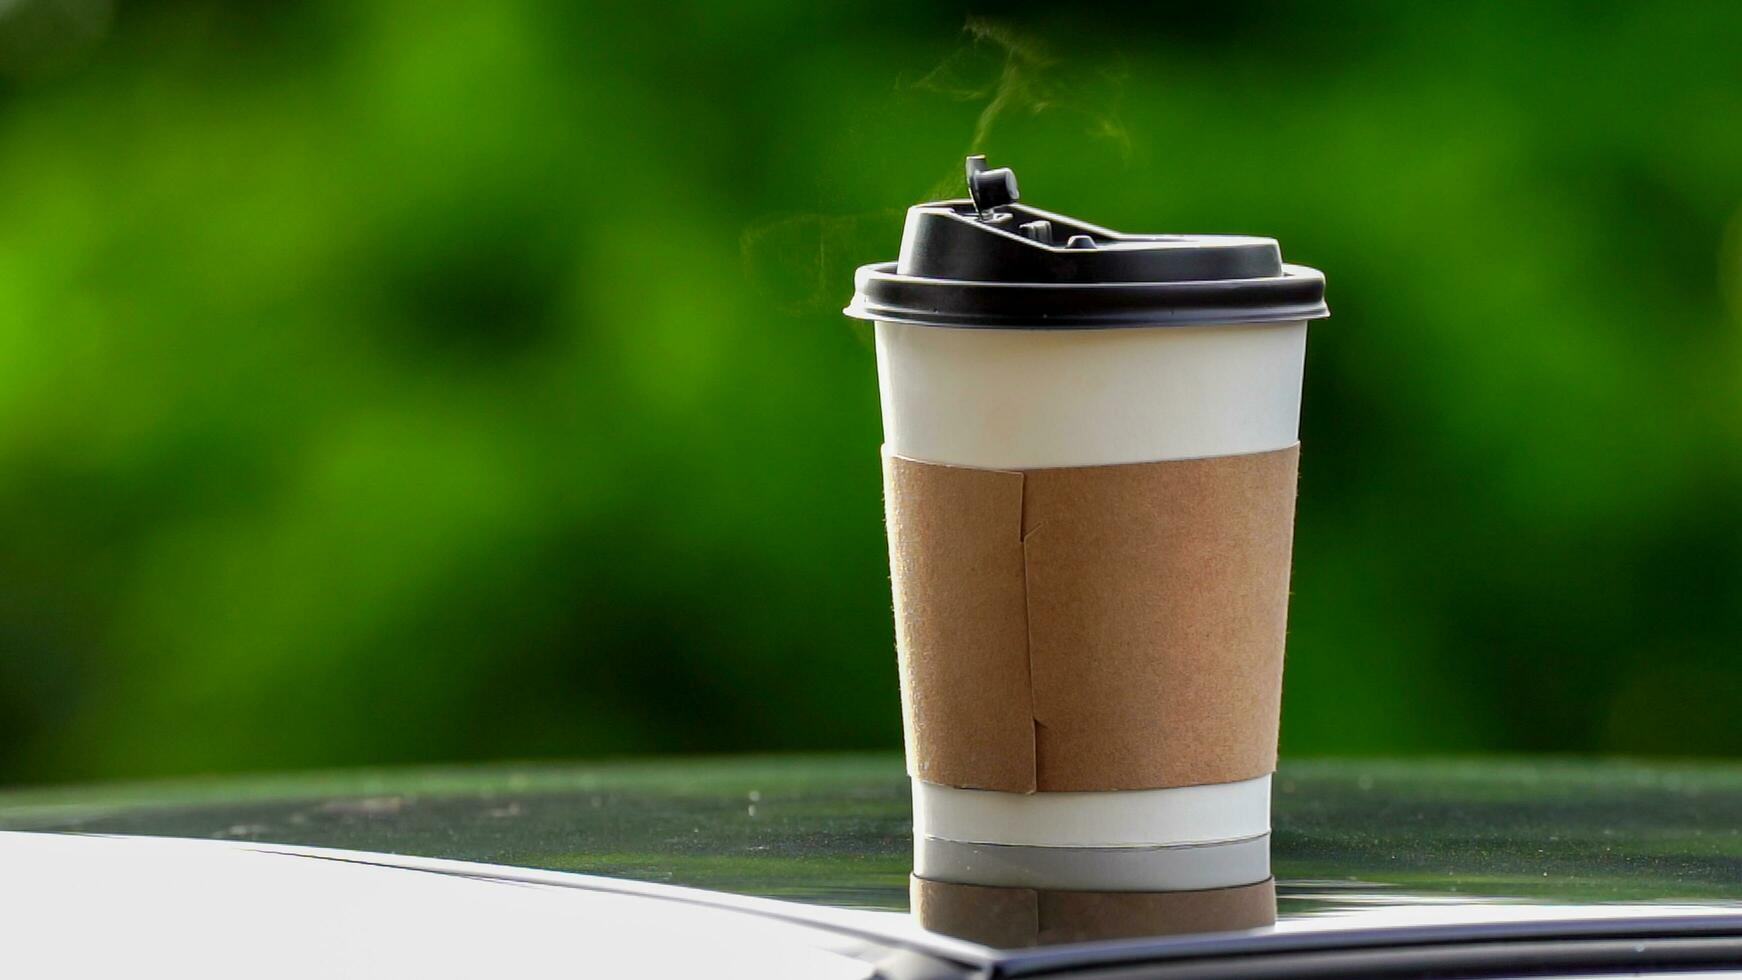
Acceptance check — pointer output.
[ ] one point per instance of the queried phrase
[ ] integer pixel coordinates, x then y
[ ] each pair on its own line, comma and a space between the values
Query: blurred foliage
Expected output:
387, 382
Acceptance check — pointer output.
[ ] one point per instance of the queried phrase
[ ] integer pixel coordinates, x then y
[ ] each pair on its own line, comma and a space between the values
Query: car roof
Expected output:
1360, 849
97, 905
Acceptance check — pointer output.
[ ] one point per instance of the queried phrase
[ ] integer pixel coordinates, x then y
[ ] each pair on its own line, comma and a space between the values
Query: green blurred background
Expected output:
391, 381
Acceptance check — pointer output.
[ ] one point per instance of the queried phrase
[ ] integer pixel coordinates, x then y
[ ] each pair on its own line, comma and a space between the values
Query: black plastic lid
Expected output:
990, 262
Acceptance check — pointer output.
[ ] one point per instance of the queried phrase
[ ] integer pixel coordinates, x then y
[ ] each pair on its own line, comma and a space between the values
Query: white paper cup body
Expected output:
1033, 399
1037, 399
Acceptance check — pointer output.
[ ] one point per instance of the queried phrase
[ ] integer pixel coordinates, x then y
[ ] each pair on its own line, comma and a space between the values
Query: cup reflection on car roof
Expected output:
1008, 895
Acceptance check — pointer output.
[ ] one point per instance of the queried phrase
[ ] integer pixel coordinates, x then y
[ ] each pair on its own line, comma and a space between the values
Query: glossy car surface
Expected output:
1480, 867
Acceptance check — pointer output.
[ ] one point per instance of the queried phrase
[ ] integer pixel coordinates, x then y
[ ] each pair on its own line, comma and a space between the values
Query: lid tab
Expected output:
990, 189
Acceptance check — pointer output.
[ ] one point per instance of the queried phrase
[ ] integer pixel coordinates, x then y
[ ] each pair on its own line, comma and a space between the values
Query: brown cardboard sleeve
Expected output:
1016, 917
1091, 628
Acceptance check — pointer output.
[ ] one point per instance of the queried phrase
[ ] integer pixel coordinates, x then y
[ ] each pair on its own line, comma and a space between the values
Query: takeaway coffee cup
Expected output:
1090, 446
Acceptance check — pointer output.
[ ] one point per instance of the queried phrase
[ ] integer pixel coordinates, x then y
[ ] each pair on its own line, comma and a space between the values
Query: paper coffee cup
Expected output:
1090, 456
